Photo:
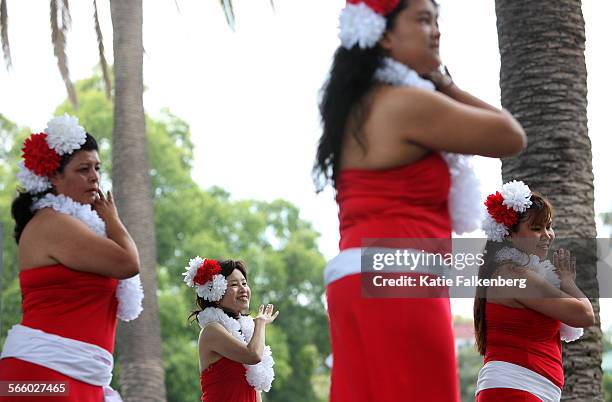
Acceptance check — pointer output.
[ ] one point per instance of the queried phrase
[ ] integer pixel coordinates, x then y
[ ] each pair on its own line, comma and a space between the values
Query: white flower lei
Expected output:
464, 195
545, 269
260, 375
129, 291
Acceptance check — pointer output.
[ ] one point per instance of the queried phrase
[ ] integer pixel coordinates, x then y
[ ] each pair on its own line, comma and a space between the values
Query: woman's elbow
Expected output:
516, 142
515, 139
588, 319
582, 319
129, 267
253, 358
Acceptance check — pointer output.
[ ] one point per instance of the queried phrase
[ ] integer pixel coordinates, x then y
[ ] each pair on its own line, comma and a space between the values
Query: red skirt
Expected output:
18, 370
390, 349
505, 395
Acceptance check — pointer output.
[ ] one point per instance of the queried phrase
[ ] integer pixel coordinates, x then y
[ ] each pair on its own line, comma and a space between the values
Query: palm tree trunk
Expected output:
139, 342
544, 84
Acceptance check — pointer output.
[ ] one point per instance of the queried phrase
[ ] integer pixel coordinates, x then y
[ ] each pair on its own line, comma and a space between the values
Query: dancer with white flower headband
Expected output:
235, 363
78, 268
519, 329
396, 135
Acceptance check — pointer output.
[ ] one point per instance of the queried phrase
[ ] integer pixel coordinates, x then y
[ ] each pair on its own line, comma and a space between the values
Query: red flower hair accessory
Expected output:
499, 212
206, 272
504, 207
205, 275
38, 157
382, 7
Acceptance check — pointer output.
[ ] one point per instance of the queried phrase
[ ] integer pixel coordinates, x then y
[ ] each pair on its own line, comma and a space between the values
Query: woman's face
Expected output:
80, 179
415, 38
237, 295
533, 238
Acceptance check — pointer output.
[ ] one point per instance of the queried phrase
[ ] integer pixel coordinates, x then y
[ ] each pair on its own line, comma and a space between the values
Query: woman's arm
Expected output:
70, 242
215, 338
568, 304
436, 121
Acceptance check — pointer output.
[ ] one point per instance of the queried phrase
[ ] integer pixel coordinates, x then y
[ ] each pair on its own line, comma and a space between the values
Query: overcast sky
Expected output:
253, 93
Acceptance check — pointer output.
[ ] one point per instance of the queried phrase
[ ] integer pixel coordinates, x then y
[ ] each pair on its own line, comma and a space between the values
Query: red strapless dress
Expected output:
526, 338
68, 303
391, 349
225, 381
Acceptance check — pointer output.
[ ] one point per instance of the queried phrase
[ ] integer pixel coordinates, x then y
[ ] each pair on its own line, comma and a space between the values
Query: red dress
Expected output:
526, 338
225, 381
71, 304
391, 349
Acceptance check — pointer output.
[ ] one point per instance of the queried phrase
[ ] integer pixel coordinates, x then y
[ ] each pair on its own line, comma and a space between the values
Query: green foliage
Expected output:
470, 362
285, 266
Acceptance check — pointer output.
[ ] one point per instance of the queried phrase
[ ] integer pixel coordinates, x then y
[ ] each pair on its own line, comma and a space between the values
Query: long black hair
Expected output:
227, 267
540, 213
21, 208
344, 98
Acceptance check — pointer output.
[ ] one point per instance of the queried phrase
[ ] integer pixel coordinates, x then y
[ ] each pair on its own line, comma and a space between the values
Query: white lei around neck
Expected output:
465, 199
129, 292
260, 375
545, 269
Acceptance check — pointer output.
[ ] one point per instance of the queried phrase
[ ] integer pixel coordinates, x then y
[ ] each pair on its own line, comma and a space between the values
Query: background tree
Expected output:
543, 83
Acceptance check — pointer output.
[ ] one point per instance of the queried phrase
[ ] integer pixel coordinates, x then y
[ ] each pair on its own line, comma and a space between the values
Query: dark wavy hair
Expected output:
227, 267
21, 208
344, 98
539, 213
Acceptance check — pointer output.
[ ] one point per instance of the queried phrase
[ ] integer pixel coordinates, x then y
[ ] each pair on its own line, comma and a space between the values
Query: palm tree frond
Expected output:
58, 39
228, 10
103, 64
66, 17
4, 34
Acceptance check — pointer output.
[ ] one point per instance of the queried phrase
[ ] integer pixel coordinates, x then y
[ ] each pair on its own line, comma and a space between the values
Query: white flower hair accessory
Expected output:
42, 152
503, 209
363, 22
205, 275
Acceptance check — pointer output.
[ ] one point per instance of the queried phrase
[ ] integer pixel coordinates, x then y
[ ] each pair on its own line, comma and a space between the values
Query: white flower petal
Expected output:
64, 134
361, 25
494, 231
31, 182
516, 195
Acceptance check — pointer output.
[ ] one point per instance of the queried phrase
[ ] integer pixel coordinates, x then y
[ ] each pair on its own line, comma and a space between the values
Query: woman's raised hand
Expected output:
267, 314
565, 264
105, 206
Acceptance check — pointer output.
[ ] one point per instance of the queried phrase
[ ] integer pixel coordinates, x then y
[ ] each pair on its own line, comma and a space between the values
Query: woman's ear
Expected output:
385, 41
55, 178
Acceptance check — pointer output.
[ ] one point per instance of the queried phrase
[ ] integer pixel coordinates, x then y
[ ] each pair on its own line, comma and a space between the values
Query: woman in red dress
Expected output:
519, 328
235, 363
75, 256
385, 130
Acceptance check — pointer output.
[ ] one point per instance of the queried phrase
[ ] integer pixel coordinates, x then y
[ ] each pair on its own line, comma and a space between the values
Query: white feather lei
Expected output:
545, 269
129, 292
260, 375
464, 199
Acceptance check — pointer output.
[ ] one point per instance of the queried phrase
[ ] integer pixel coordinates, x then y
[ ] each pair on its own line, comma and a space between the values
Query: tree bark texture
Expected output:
544, 85
139, 342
